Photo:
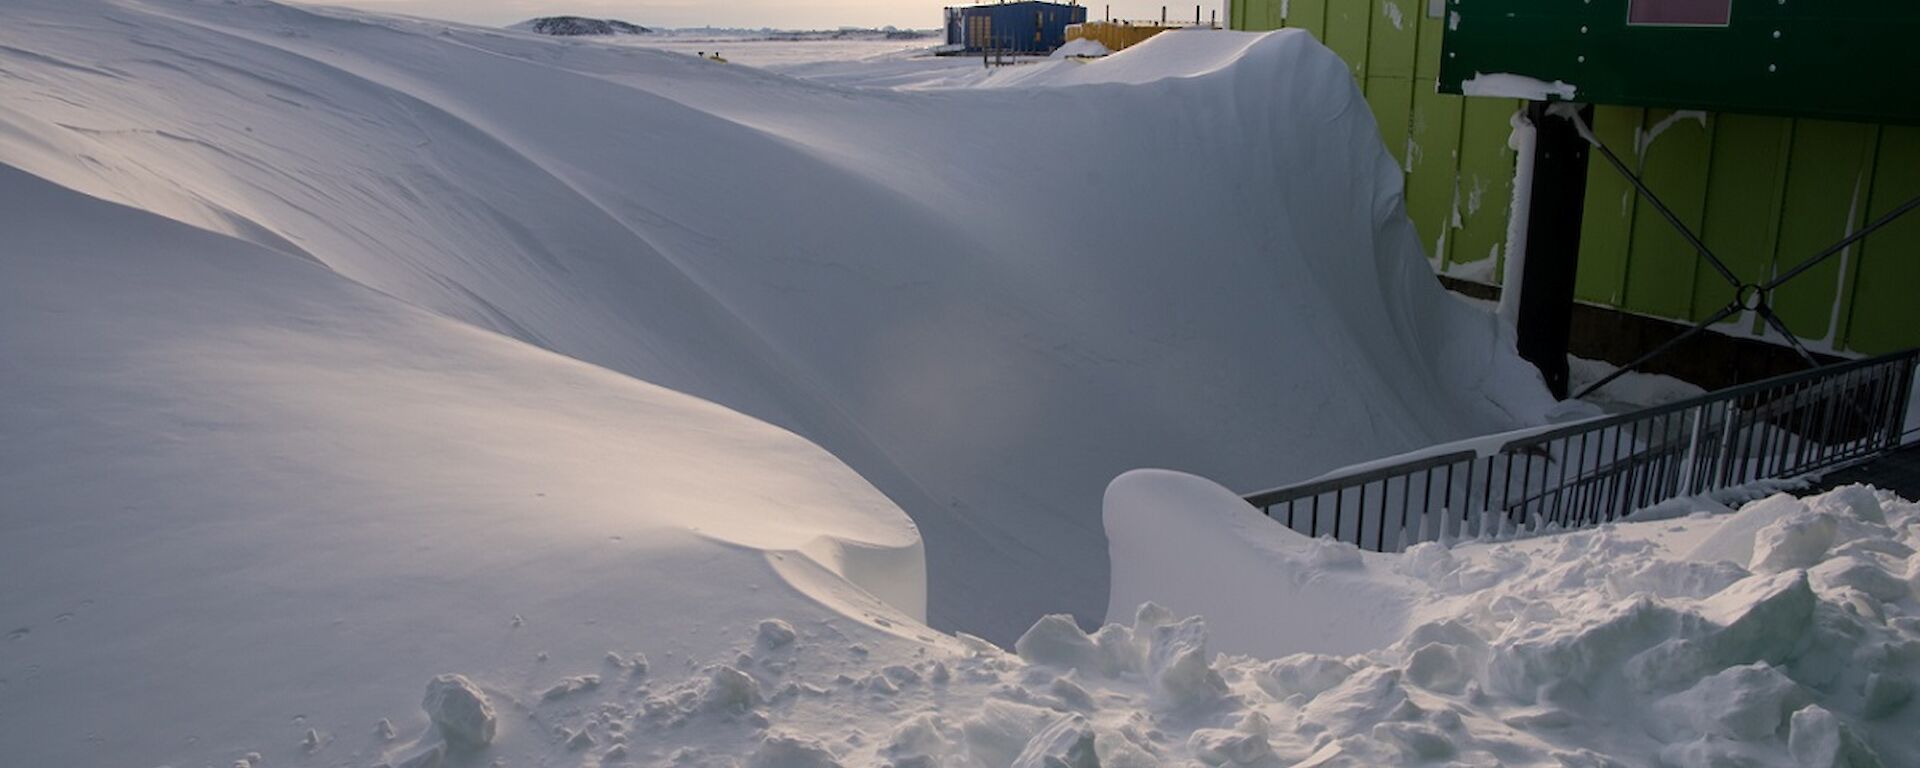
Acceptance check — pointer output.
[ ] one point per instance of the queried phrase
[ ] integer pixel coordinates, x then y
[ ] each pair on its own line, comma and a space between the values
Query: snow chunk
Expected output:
1820, 740
1177, 665
1150, 615
460, 711
900, 674
1244, 745
1119, 650
1580, 650
1762, 617
1859, 573
1305, 674
1000, 733
730, 690
1794, 541
1743, 703
1369, 696
1417, 742
1885, 694
569, 686
1732, 541
920, 742
775, 633
1071, 694
1058, 641
1067, 743
1328, 554
1439, 667
788, 750
432, 757
1856, 501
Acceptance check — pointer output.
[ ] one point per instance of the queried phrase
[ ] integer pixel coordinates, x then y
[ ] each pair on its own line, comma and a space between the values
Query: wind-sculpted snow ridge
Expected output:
988, 302
251, 507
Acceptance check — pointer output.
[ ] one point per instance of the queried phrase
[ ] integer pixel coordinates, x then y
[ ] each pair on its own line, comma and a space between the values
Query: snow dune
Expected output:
988, 302
245, 497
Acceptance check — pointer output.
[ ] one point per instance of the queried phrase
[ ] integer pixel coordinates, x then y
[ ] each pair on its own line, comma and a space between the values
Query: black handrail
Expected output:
1602, 469
1331, 484
1717, 396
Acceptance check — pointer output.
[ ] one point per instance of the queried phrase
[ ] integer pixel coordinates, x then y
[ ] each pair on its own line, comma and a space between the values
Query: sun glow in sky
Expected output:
783, 14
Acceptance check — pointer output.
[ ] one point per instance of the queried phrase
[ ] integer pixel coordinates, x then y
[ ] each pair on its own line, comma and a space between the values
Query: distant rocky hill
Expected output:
577, 26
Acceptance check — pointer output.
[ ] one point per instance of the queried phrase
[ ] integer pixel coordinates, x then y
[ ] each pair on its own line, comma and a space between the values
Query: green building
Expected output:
1763, 192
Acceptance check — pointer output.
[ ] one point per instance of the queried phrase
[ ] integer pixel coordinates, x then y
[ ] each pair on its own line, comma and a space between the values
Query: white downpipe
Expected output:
1522, 141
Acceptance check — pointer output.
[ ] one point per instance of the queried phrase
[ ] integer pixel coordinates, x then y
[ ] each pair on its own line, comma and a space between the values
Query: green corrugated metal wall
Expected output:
1728, 176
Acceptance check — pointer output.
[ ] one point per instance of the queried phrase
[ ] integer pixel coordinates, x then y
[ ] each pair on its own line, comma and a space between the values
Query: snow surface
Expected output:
1630, 392
246, 497
1083, 47
381, 391
956, 292
1787, 633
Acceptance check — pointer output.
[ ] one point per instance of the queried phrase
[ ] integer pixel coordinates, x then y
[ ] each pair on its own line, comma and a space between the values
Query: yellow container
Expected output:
1115, 35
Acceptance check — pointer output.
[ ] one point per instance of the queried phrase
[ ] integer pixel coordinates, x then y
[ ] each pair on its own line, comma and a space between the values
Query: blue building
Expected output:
1016, 27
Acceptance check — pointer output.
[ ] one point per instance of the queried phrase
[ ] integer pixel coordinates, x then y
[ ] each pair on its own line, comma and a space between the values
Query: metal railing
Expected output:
1601, 470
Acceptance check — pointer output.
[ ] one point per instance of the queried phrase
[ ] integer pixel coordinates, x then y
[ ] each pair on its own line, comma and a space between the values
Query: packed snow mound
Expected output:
576, 26
1612, 647
1187, 543
1082, 47
987, 318
1787, 633
247, 499
1176, 54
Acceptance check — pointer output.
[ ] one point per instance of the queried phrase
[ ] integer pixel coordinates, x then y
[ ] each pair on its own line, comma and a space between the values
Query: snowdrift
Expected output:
245, 498
1186, 543
987, 301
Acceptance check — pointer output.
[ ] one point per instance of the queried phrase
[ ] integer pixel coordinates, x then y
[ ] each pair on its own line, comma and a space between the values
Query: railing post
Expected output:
1903, 397
1723, 459
1693, 450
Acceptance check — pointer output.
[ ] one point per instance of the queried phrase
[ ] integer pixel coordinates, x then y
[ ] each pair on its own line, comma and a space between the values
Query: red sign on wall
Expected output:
1695, 13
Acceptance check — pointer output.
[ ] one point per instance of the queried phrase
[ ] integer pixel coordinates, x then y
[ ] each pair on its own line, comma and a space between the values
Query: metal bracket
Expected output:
1747, 297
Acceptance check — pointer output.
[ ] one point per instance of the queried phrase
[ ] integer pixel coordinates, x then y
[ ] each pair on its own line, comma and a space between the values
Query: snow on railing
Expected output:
1603, 469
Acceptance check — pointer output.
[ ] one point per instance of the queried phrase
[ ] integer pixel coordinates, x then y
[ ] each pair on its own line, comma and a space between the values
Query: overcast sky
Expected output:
785, 14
